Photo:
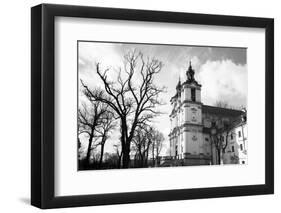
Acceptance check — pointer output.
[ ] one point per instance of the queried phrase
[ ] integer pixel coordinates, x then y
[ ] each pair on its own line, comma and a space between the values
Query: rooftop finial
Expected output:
190, 73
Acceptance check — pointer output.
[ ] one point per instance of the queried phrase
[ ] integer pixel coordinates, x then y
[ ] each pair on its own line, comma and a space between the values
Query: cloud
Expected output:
223, 81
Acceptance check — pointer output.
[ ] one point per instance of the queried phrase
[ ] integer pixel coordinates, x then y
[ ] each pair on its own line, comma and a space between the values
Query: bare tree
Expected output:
157, 144
142, 141
147, 142
223, 104
89, 118
220, 138
107, 124
133, 104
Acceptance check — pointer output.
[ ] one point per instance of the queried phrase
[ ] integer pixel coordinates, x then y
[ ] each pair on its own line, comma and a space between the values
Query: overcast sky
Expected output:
222, 72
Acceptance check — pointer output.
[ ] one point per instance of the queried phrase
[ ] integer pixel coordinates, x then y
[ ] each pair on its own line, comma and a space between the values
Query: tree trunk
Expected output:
157, 156
126, 160
153, 158
157, 161
90, 142
89, 150
141, 160
126, 156
125, 144
119, 161
219, 156
146, 158
212, 160
101, 151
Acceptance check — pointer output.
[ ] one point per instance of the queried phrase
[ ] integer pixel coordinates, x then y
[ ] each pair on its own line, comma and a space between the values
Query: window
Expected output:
241, 147
231, 136
243, 162
239, 134
206, 139
232, 148
193, 94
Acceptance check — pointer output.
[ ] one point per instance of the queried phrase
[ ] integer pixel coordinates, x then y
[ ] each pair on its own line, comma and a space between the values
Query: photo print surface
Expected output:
157, 105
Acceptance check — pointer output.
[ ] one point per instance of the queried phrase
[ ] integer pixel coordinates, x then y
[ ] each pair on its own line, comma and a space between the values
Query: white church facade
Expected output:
191, 138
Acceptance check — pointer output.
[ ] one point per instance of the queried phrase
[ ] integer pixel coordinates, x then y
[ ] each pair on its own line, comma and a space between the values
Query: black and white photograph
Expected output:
140, 106
160, 105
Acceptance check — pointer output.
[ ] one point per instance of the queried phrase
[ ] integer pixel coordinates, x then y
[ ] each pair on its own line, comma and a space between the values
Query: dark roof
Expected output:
221, 111
234, 123
237, 122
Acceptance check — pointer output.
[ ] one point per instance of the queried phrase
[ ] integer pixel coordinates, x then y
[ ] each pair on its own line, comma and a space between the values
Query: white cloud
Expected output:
223, 81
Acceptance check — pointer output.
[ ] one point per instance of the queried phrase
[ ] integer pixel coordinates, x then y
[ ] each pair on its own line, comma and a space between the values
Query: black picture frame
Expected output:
43, 102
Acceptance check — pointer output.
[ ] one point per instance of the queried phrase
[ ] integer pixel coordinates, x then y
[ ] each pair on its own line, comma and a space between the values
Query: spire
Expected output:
190, 73
179, 84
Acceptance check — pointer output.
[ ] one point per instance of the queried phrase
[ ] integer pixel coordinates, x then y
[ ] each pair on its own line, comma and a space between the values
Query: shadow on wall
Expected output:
25, 200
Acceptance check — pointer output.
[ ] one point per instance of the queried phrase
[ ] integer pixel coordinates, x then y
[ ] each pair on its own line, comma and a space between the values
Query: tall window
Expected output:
239, 134
193, 94
232, 148
241, 147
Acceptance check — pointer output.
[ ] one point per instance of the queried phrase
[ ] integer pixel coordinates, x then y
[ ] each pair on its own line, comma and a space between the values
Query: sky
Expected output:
222, 72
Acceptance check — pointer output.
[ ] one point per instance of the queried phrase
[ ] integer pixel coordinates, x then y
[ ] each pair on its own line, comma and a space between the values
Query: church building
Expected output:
202, 134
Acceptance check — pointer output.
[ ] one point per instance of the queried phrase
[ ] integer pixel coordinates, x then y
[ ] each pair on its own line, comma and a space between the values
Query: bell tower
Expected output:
192, 88
192, 127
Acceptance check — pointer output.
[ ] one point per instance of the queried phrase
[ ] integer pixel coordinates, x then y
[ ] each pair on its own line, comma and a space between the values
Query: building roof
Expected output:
237, 122
219, 111
231, 127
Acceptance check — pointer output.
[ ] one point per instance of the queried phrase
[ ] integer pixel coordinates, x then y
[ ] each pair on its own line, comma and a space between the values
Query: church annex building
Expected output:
202, 134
